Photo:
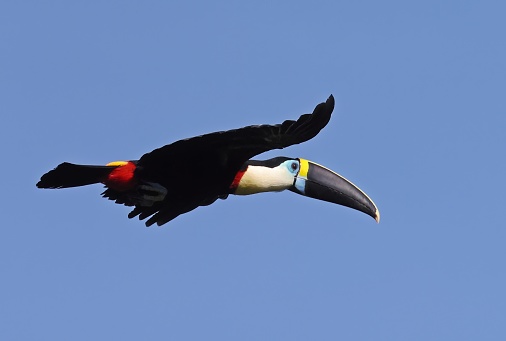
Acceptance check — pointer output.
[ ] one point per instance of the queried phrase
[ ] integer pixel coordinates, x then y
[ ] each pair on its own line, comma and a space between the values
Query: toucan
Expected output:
181, 176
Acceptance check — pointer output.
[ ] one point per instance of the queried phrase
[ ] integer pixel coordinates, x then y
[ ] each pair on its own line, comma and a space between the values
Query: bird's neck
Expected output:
256, 179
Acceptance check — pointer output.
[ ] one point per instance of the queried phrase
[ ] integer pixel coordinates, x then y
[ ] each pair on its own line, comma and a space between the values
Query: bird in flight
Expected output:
181, 176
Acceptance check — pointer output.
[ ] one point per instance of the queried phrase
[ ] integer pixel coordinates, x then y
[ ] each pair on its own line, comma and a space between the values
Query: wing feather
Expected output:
245, 143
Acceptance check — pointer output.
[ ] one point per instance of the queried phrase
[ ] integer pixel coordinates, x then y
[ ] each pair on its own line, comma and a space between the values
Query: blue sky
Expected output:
419, 125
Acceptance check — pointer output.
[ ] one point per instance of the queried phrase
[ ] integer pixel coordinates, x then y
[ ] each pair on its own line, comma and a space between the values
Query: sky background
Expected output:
419, 125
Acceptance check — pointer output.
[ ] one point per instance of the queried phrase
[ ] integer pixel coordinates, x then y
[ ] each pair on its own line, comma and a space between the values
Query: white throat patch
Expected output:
258, 179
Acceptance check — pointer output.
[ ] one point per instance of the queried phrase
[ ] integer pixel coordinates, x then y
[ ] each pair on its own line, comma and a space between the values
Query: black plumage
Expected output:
199, 170
194, 172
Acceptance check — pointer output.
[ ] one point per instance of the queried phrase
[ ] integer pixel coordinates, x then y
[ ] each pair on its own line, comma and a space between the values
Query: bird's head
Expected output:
303, 177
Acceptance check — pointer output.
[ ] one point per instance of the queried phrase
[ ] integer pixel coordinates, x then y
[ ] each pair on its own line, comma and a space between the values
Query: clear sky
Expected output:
419, 125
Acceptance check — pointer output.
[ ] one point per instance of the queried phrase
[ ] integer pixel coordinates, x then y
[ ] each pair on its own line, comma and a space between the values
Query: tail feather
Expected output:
71, 175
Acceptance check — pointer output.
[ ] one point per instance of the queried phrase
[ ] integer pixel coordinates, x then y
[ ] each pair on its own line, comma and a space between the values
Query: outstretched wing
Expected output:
165, 211
224, 152
245, 143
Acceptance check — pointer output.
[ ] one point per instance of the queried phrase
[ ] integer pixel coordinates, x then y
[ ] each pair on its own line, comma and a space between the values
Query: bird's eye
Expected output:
294, 165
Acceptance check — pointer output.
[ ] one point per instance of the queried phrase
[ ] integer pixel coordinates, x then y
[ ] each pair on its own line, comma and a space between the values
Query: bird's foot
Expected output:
150, 193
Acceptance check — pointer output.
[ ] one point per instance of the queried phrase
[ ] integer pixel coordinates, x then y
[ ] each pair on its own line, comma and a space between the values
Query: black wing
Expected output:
244, 143
238, 145
165, 211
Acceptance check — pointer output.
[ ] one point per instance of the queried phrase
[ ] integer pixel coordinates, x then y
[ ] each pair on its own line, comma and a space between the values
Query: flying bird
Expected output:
186, 174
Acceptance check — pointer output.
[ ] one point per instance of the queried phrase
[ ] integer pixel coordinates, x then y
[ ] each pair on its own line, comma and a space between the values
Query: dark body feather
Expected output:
199, 170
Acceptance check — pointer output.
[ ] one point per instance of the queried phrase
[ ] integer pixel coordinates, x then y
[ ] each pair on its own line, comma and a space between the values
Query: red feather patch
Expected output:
122, 178
237, 179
